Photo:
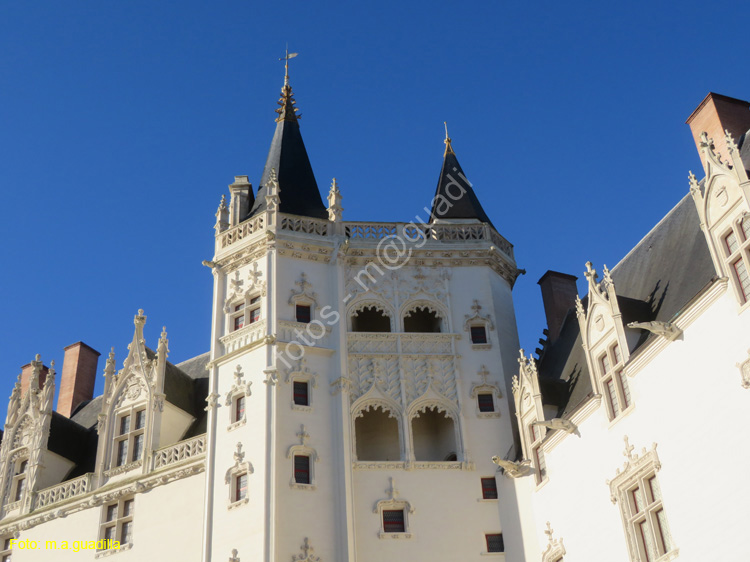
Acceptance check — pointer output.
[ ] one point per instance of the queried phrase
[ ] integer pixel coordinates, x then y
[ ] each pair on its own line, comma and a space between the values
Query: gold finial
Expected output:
447, 141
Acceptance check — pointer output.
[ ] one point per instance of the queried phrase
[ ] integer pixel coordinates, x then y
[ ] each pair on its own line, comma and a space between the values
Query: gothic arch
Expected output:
438, 309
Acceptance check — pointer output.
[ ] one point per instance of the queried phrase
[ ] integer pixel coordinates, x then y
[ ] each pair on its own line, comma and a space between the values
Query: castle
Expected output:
364, 397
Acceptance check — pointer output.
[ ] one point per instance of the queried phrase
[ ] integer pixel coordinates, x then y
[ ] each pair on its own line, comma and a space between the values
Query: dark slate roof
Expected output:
454, 187
298, 190
74, 442
87, 413
654, 281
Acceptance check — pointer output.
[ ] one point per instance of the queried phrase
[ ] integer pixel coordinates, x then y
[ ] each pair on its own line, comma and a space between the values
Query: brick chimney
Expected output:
714, 115
26, 372
559, 294
78, 377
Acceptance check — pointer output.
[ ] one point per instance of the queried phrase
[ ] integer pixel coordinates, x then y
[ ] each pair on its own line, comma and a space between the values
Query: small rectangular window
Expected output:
301, 394
117, 521
239, 408
239, 322
485, 402
731, 242
239, 307
478, 334
254, 315
303, 313
744, 279
6, 552
255, 299
393, 521
240, 487
302, 469
495, 543
489, 488
140, 419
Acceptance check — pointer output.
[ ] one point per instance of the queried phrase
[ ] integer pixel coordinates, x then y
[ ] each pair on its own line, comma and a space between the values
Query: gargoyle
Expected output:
559, 423
513, 469
666, 329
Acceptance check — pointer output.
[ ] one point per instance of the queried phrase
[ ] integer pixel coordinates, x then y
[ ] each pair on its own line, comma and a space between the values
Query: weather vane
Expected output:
286, 58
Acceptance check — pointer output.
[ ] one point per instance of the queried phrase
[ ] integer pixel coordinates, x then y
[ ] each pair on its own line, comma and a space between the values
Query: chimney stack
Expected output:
559, 294
714, 115
26, 372
78, 377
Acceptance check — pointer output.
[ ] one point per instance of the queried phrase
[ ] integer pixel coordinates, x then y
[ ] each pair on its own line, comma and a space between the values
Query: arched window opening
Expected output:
434, 436
422, 320
377, 436
370, 319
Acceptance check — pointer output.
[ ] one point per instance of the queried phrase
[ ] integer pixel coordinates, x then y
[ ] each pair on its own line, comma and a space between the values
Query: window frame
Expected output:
613, 382
485, 335
489, 490
487, 543
740, 229
246, 311
6, 551
19, 482
539, 462
130, 436
120, 519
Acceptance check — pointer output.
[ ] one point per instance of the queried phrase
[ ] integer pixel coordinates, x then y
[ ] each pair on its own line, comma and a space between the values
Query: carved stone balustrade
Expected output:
179, 452
244, 336
60, 492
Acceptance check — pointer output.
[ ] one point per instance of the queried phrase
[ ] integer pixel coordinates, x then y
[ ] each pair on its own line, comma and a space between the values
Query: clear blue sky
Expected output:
122, 122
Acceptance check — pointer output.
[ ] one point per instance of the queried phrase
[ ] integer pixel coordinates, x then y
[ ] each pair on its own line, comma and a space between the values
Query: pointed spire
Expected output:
454, 196
288, 157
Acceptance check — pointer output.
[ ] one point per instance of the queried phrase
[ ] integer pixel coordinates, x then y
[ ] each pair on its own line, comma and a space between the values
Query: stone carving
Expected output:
559, 423
477, 318
555, 549
307, 553
335, 210
513, 469
240, 386
666, 329
304, 292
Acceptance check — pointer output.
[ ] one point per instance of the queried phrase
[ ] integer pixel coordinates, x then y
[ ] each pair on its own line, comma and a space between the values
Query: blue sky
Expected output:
122, 123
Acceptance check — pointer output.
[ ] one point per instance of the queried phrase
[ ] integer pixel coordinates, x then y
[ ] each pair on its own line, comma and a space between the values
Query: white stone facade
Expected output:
364, 402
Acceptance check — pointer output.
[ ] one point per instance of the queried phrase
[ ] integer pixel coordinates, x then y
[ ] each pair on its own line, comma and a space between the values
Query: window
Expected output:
239, 491
243, 314
19, 479
254, 310
485, 402
495, 542
371, 319
302, 312
613, 383
648, 520
6, 551
489, 488
302, 469
301, 391
377, 434
478, 334
393, 521
434, 434
737, 250
238, 413
537, 454
130, 436
238, 319
421, 319
117, 521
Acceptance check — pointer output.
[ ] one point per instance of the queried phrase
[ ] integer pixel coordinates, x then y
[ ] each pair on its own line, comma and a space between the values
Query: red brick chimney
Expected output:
26, 372
559, 294
714, 115
78, 377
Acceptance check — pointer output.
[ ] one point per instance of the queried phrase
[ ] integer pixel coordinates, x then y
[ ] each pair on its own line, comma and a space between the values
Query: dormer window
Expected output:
613, 382
130, 436
737, 252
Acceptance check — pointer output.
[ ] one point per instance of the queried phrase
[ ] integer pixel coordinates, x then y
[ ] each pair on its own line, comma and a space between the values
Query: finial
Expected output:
447, 141
287, 111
